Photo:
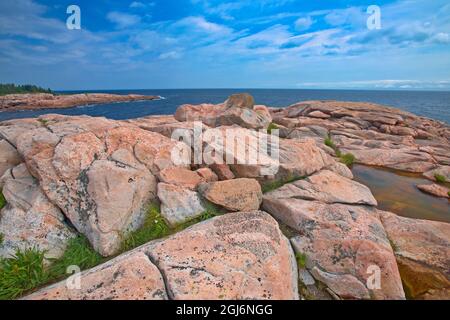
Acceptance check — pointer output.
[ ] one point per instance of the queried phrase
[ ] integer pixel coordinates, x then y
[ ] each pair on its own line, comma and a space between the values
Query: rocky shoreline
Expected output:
20, 102
67, 176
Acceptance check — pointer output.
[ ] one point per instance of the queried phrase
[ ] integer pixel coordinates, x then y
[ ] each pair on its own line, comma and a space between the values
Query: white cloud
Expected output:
141, 5
303, 23
123, 20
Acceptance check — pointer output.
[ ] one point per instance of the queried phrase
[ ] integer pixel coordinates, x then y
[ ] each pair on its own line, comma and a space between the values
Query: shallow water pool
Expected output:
396, 192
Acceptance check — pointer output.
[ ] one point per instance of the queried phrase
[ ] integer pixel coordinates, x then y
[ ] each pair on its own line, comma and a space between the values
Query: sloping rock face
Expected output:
375, 134
341, 243
234, 195
327, 187
129, 277
30, 220
99, 172
240, 255
422, 249
237, 110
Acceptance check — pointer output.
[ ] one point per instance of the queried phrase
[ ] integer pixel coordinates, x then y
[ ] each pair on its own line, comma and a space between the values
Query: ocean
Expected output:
435, 105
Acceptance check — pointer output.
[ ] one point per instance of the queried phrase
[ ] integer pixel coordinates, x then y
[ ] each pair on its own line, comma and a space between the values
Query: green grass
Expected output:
21, 273
2, 200
301, 260
271, 127
78, 253
348, 159
440, 178
2, 238
154, 227
330, 143
273, 185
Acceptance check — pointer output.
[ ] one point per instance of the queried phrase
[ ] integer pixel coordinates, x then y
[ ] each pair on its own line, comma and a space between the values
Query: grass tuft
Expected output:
330, 143
273, 185
348, 159
154, 227
2, 200
440, 178
2, 238
21, 273
301, 260
78, 253
272, 126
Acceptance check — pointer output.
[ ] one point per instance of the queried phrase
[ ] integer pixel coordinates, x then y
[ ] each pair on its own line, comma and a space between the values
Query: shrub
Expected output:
330, 143
348, 159
21, 273
440, 178
10, 88
271, 127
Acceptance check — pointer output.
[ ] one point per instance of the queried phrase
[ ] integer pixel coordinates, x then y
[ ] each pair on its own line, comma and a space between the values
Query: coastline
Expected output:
41, 101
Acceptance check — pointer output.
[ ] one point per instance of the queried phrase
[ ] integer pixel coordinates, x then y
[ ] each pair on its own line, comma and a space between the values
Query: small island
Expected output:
30, 97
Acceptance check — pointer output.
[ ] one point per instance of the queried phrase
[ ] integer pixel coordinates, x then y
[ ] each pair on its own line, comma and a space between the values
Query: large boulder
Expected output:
128, 277
326, 186
237, 110
237, 256
30, 220
241, 100
234, 195
180, 177
101, 173
422, 249
179, 204
435, 190
343, 245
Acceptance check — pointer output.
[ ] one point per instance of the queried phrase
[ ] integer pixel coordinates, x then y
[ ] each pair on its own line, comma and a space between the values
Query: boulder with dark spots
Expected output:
237, 256
131, 276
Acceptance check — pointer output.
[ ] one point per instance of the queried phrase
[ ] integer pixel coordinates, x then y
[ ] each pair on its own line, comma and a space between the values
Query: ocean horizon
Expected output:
426, 103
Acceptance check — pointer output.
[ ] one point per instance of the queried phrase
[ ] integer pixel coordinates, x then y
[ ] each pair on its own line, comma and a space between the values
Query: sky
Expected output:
151, 44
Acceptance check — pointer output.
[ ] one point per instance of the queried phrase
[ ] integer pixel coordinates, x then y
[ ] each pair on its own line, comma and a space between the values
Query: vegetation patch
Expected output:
301, 260
2, 200
21, 273
348, 159
440, 178
78, 253
272, 126
2, 239
154, 227
273, 185
10, 88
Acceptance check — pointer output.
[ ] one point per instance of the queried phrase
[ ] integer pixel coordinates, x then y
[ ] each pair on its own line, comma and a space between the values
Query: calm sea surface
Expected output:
434, 105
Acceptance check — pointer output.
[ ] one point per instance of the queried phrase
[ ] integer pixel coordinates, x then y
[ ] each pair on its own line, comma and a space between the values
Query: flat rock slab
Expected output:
235, 195
422, 249
341, 244
129, 277
326, 186
435, 190
237, 256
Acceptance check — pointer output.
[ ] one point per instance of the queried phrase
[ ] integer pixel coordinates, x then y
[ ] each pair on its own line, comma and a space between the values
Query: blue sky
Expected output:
226, 44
